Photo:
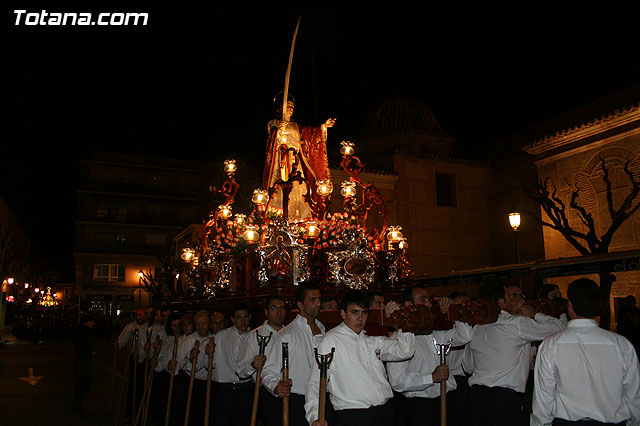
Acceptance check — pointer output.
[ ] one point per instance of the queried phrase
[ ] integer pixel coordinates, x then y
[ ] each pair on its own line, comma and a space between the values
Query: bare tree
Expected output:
163, 276
586, 240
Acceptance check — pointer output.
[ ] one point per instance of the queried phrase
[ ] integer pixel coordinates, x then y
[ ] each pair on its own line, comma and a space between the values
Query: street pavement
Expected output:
48, 401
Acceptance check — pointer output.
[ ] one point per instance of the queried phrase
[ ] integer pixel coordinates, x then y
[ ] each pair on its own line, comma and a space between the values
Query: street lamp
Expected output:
514, 221
140, 275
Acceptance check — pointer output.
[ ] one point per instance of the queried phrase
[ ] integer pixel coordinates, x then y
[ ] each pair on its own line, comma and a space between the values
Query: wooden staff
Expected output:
208, 393
158, 346
147, 350
285, 378
193, 375
135, 373
143, 400
125, 380
323, 362
172, 370
443, 351
262, 343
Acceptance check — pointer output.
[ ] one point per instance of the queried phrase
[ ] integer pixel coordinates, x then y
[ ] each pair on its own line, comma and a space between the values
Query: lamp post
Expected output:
514, 221
140, 275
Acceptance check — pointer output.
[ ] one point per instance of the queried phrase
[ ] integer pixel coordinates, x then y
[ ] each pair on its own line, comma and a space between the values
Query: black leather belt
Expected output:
234, 386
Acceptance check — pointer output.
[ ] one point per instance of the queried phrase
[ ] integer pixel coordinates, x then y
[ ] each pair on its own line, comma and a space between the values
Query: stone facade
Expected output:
573, 158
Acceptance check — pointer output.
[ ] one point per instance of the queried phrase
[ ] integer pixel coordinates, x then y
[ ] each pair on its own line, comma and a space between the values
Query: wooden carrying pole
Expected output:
140, 411
135, 374
443, 351
125, 380
208, 394
323, 362
123, 391
146, 355
145, 413
262, 343
167, 413
285, 378
193, 375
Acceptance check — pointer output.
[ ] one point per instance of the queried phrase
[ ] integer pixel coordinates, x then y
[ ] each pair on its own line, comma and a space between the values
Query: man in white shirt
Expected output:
186, 349
270, 407
356, 379
136, 354
173, 330
217, 322
158, 391
233, 394
302, 335
586, 375
419, 377
499, 356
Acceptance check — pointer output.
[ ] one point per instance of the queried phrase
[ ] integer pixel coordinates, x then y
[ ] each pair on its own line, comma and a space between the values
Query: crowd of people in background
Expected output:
50, 324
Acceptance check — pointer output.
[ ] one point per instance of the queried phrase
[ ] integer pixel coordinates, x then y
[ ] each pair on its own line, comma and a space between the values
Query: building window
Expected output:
446, 189
106, 272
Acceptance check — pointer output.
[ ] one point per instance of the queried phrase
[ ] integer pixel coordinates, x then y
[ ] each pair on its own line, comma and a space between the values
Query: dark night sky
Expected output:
197, 82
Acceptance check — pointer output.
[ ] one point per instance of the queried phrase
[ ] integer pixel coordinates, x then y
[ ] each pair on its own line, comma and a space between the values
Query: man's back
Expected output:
586, 372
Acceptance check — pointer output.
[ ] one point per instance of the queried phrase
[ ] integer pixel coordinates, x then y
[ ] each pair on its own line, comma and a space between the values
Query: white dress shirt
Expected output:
123, 338
185, 345
157, 330
166, 354
499, 354
413, 377
225, 358
586, 372
356, 377
180, 354
250, 349
301, 356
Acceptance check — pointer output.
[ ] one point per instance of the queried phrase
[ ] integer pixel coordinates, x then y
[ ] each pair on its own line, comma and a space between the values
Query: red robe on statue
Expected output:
310, 142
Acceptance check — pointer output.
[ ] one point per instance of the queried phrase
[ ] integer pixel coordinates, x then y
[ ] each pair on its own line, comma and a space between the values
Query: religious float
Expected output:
292, 235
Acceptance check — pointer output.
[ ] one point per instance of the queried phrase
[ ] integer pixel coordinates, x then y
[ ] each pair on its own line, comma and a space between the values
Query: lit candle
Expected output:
325, 187
348, 189
230, 166
347, 148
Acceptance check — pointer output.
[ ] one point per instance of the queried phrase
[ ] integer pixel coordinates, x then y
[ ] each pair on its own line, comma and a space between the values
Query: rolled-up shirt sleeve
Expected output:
272, 370
248, 352
402, 380
398, 347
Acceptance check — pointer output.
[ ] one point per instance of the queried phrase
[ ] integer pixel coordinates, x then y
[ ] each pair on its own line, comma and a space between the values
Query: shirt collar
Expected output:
303, 321
582, 322
345, 328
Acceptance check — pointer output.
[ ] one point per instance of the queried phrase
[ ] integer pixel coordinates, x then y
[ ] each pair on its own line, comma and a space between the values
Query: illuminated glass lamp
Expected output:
325, 187
239, 218
514, 220
187, 254
250, 233
311, 230
347, 148
348, 189
394, 236
224, 211
260, 197
230, 166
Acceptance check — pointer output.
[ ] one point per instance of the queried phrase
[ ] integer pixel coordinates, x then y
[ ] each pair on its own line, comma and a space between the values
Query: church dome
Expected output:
401, 117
